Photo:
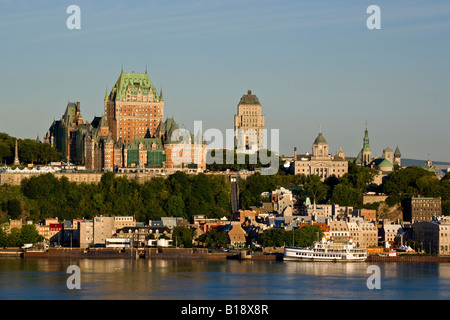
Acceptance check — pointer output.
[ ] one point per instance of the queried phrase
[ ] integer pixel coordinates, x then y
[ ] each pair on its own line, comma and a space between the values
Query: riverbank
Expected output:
147, 253
185, 253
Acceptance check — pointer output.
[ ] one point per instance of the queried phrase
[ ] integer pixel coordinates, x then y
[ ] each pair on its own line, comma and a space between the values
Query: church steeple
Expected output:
366, 150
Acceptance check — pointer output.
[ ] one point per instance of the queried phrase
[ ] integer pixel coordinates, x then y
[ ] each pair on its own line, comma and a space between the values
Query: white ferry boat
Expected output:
326, 251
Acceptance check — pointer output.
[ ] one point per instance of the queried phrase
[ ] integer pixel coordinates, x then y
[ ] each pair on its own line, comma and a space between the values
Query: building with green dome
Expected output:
384, 164
320, 162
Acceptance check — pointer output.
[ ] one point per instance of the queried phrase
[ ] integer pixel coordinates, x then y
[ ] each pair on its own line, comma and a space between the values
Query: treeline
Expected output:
179, 195
29, 151
185, 195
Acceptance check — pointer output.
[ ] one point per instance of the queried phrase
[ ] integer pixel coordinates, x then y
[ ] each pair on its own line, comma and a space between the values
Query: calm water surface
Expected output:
220, 280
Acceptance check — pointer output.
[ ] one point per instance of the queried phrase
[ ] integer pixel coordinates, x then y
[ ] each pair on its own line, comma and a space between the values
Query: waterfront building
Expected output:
368, 236
121, 222
237, 235
70, 233
249, 124
103, 228
43, 230
320, 163
85, 231
339, 231
388, 232
55, 233
434, 235
137, 235
418, 209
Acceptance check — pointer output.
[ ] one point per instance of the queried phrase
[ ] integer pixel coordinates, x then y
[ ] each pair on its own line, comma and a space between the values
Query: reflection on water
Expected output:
219, 280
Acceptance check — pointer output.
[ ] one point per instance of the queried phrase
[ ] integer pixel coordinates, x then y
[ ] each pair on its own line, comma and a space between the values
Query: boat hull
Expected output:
297, 254
318, 259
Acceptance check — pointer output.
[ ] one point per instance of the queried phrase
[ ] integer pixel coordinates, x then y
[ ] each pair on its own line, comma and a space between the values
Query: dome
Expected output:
320, 139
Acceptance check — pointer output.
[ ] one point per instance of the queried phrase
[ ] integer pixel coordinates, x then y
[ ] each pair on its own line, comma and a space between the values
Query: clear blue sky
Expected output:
309, 62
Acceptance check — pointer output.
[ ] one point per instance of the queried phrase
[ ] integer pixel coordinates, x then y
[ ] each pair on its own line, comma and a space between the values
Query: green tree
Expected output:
28, 234
175, 206
13, 238
182, 237
214, 239
345, 195
14, 208
315, 189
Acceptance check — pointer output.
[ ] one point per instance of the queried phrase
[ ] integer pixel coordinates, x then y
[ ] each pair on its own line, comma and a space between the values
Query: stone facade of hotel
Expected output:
131, 134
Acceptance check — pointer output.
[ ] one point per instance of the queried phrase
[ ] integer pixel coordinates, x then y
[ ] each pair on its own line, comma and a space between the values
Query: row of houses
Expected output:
245, 227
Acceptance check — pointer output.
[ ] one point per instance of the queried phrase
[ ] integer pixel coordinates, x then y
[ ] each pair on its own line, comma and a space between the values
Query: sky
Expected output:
311, 63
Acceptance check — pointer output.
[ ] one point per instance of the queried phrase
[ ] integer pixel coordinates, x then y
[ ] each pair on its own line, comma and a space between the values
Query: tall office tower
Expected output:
133, 108
249, 124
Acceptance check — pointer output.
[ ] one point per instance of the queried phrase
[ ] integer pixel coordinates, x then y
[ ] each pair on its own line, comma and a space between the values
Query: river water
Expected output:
46, 279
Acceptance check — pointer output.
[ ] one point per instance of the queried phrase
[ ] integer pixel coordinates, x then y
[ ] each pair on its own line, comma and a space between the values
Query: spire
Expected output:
16, 155
106, 95
160, 95
397, 153
145, 69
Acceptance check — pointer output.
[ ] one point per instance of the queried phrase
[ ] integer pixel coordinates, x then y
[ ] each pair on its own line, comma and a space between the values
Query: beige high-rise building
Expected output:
249, 124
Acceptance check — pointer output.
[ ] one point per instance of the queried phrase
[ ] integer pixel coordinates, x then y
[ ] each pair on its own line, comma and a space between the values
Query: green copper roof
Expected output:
249, 98
133, 81
320, 139
385, 164
147, 144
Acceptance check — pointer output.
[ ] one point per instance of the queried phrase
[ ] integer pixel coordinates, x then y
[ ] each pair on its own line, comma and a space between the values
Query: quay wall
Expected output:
408, 258
16, 179
146, 253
